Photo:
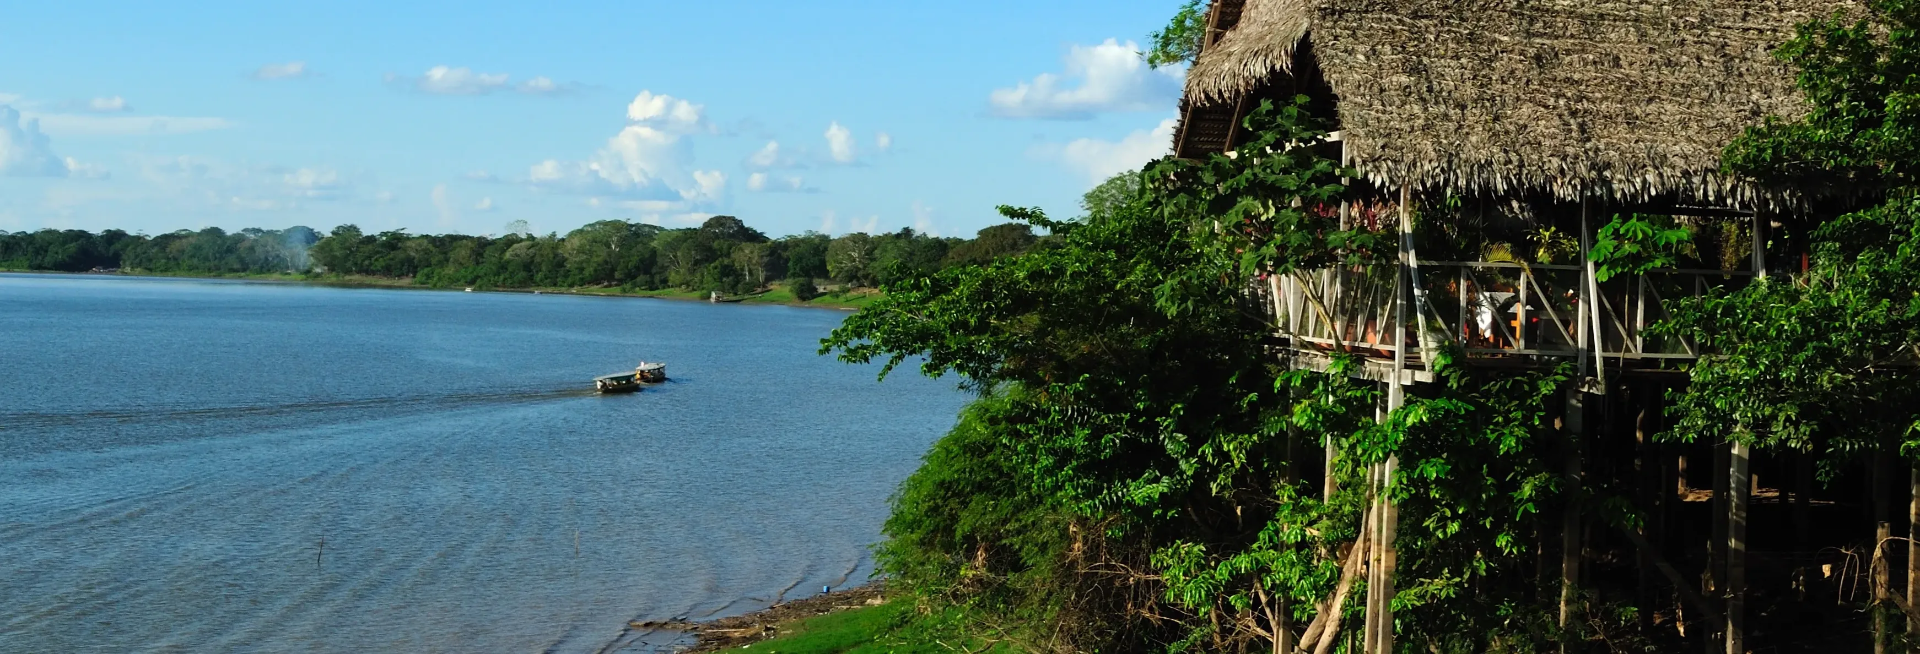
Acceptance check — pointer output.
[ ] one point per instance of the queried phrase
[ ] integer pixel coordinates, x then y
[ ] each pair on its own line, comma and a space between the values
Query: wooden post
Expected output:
1739, 478
1574, 429
1570, 542
1380, 583
1648, 490
1882, 530
1913, 548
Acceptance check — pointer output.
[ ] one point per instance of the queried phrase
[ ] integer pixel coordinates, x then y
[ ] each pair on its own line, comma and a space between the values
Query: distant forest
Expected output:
724, 255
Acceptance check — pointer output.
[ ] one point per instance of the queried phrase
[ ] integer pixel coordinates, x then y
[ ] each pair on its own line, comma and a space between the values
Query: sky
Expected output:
830, 115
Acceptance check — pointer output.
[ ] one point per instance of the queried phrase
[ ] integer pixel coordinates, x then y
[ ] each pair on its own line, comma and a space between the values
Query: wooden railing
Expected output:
1490, 309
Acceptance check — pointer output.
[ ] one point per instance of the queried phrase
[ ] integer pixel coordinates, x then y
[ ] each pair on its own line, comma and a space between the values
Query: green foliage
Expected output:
1862, 83
1180, 41
1130, 399
1634, 244
1274, 207
208, 251
1822, 361
802, 288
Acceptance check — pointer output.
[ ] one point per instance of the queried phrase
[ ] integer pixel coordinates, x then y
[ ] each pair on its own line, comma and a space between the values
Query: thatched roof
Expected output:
1625, 99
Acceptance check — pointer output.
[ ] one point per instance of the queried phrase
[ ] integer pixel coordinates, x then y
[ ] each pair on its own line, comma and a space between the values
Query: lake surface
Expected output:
235, 467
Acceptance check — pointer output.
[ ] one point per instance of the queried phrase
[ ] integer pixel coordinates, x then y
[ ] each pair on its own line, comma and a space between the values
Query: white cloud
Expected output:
1108, 77
764, 183
648, 161
827, 222
385, 197
314, 184
870, 226
25, 151
88, 125
443, 80
883, 141
243, 186
1098, 160
485, 204
666, 112
923, 219
289, 70
768, 156
102, 105
840, 143
544, 86
78, 170
444, 205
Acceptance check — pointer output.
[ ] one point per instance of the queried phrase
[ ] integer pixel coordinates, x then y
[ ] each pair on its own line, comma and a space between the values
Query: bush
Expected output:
803, 288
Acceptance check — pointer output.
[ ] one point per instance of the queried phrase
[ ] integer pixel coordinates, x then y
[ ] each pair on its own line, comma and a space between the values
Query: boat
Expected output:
651, 373
624, 382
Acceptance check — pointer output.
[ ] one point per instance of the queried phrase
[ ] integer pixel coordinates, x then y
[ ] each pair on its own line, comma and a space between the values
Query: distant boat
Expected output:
624, 382
652, 373
469, 289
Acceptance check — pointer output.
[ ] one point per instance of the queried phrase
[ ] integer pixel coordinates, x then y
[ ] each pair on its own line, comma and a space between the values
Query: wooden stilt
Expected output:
1714, 578
1882, 530
1648, 492
1570, 522
1739, 478
1913, 547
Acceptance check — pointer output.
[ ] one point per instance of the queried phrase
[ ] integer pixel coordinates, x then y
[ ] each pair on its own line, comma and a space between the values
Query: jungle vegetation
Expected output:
1122, 483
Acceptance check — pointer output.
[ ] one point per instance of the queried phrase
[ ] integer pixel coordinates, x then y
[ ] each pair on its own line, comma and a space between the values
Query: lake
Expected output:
229, 466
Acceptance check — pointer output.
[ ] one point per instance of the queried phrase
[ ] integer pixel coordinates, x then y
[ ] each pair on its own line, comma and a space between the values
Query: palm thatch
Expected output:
1622, 99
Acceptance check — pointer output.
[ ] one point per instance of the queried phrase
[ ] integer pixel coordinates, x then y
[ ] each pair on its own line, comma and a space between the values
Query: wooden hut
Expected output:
1540, 118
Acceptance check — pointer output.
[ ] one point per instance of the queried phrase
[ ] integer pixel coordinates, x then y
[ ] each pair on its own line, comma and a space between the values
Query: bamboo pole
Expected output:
1573, 426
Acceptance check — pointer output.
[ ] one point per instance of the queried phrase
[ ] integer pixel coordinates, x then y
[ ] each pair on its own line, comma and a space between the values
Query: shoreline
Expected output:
764, 624
862, 299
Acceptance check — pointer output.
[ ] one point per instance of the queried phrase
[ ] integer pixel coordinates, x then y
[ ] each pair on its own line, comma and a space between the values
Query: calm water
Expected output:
216, 466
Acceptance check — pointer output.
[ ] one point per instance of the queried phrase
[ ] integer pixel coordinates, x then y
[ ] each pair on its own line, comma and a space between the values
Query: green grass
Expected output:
869, 630
879, 629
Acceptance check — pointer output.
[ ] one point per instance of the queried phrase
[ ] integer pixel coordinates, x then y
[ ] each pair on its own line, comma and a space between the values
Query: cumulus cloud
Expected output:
443, 80
1098, 160
1109, 77
666, 112
767, 156
484, 205
840, 143
25, 151
647, 161
289, 70
314, 184
883, 141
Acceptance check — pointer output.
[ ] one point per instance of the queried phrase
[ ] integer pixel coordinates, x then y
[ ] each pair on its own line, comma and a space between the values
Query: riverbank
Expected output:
778, 294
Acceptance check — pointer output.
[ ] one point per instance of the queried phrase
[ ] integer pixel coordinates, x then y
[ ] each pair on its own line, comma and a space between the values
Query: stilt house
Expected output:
1518, 127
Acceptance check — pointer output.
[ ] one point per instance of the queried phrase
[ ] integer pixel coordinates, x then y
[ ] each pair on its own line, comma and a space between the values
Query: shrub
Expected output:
803, 288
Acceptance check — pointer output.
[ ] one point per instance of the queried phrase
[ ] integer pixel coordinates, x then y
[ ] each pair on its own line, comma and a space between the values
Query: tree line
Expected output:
723, 254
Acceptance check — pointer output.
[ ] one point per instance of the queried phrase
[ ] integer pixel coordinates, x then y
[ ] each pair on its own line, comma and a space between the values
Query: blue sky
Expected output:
463, 117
